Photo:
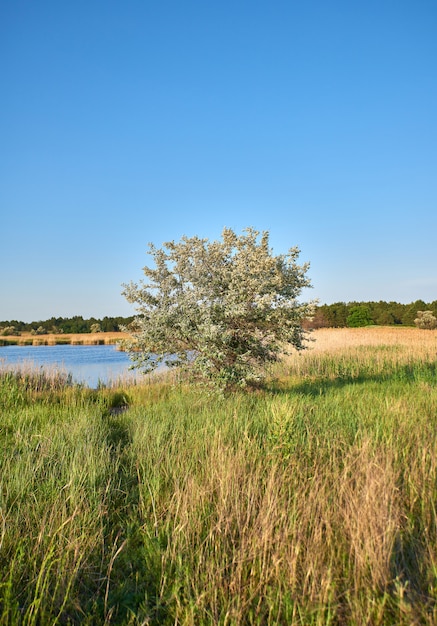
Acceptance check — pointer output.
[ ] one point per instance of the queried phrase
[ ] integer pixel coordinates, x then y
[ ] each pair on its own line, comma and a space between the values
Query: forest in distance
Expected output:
336, 315
68, 325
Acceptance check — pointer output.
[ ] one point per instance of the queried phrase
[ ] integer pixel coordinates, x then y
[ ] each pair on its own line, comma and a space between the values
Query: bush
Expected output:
426, 320
8, 330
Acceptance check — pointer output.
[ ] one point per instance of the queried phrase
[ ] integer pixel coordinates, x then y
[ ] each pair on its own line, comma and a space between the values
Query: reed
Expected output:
86, 339
309, 502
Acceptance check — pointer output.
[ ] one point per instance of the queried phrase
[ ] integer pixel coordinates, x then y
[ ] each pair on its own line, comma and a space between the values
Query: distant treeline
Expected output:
341, 314
76, 324
337, 315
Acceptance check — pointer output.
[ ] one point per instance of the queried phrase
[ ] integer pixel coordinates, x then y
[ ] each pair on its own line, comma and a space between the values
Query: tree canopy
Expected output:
359, 316
221, 310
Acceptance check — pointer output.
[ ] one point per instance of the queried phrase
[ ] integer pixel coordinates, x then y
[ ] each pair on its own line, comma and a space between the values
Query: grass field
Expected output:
310, 502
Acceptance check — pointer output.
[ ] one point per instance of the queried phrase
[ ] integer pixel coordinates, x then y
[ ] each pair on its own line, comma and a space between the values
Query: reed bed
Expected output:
310, 502
77, 339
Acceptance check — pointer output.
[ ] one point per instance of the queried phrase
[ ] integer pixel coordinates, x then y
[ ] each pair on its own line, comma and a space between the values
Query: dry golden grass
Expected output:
332, 349
85, 339
335, 339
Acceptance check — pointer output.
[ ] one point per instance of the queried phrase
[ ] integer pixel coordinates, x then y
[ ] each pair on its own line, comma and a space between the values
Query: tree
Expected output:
335, 314
359, 316
410, 313
221, 310
426, 320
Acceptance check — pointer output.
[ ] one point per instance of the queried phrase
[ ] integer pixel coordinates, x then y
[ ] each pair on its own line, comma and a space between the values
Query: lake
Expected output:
87, 364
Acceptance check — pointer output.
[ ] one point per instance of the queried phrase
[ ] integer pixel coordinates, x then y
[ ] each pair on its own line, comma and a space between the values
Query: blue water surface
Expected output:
89, 365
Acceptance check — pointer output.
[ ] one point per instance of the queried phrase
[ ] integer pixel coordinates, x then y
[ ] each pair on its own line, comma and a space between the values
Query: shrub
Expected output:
426, 320
8, 330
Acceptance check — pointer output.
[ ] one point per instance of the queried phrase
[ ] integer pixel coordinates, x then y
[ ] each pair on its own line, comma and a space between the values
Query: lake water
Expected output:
87, 364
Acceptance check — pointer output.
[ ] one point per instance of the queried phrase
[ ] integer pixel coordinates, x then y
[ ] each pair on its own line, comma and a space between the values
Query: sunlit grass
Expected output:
52, 339
311, 502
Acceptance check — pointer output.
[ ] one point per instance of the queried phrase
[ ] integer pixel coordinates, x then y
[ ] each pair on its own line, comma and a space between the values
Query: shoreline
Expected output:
72, 339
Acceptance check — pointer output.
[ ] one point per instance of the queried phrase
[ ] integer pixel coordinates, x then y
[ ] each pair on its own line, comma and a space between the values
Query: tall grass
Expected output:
311, 502
86, 339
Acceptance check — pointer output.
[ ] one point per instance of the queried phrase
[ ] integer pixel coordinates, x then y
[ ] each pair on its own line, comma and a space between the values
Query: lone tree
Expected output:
222, 309
426, 320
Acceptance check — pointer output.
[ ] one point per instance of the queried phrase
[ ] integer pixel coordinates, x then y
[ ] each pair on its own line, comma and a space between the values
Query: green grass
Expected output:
311, 502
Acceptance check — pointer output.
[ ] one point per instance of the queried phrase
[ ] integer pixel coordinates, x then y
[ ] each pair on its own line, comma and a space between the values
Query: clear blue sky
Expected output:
128, 122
